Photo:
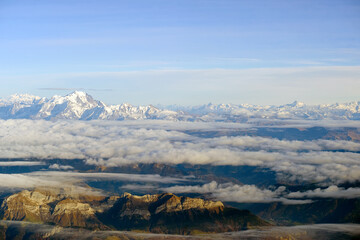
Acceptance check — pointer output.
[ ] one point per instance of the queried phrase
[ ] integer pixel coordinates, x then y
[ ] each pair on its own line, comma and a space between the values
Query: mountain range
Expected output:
159, 213
81, 106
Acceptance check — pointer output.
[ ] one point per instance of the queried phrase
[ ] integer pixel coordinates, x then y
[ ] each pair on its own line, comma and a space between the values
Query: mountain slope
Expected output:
319, 211
168, 213
161, 213
51, 207
77, 105
81, 106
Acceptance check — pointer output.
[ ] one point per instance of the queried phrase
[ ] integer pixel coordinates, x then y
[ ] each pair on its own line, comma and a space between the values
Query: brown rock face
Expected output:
168, 213
51, 207
161, 213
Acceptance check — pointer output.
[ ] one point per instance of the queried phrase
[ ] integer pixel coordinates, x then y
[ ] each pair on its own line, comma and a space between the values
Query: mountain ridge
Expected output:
159, 213
79, 105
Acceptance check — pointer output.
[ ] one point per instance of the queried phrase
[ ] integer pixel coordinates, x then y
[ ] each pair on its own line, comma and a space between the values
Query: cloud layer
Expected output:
20, 163
73, 181
314, 231
114, 144
330, 192
230, 192
237, 193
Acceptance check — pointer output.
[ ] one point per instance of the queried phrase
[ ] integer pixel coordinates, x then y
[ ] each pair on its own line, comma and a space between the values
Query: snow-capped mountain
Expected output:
80, 105
295, 110
77, 105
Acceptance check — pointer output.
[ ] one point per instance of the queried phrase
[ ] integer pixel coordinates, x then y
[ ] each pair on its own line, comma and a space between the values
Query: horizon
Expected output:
175, 104
183, 52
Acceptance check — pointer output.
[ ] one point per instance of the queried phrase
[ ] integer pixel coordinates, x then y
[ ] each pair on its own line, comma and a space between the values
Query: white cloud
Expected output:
27, 181
231, 192
20, 163
112, 144
73, 180
139, 187
105, 176
60, 167
237, 193
330, 192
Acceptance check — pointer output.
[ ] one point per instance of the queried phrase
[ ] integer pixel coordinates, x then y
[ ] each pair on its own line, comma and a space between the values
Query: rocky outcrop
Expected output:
52, 207
160, 213
168, 213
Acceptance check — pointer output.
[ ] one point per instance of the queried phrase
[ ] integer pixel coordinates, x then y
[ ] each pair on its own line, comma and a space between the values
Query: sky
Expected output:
184, 52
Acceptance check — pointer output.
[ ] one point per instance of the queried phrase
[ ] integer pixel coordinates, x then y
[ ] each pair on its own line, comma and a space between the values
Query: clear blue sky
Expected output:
182, 51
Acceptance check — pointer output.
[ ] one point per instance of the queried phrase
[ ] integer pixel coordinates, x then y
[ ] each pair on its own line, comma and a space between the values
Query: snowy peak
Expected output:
21, 99
80, 98
77, 94
76, 105
71, 106
296, 104
80, 105
76, 98
295, 110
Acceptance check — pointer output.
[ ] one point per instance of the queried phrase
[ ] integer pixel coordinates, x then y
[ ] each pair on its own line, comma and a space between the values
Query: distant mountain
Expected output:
319, 211
160, 213
295, 110
77, 105
81, 106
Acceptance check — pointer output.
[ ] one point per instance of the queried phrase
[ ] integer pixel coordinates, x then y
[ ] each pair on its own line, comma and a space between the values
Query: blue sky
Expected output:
182, 51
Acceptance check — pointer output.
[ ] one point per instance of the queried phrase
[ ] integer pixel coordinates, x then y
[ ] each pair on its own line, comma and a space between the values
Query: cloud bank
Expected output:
74, 180
114, 144
20, 163
330, 192
230, 192
237, 193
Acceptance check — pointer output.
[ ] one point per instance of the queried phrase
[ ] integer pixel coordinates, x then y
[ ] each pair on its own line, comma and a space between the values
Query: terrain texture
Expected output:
160, 213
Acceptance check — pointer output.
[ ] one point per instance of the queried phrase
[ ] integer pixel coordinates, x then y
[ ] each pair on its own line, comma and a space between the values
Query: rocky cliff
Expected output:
53, 207
168, 213
161, 213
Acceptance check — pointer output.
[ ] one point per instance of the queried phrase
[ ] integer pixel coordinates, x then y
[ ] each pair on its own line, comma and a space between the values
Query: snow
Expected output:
80, 105
21, 98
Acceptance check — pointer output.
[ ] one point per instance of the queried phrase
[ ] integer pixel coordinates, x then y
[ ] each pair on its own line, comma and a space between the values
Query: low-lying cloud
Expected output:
315, 231
230, 192
330, 192
20, 163
60, 167
111, 144
74, 180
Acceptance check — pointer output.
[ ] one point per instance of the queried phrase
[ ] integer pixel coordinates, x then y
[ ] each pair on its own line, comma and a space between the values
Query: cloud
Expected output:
60, 89
20, 163
330, 192
113, 143
60, 167
106, 176
315, 231
74, 180
139, 187
75, 89
27, 181
326, 123
230, 192
260, 143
